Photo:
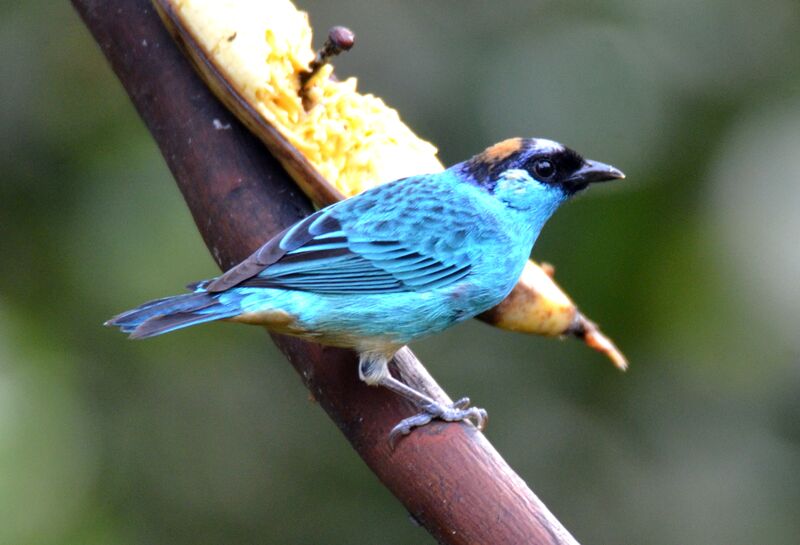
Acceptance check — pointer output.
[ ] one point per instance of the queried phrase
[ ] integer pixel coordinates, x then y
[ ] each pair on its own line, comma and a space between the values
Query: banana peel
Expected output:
333, 141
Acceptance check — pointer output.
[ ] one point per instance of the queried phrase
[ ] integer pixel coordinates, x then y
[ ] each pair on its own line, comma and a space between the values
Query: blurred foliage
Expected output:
207, 437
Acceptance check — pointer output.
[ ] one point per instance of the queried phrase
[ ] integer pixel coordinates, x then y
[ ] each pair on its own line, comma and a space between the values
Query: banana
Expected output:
334, 141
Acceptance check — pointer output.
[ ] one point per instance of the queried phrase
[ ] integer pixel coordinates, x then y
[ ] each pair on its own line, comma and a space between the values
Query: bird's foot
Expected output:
457, 412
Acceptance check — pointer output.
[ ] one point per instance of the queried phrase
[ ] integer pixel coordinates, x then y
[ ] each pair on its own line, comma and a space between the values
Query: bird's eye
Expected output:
544, 169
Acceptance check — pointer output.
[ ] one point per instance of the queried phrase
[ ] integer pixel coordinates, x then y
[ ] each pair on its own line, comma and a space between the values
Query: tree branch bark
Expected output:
448, 476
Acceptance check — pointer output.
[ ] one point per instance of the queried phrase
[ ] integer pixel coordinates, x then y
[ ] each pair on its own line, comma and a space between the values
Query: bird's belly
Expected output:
353, 320
396, 318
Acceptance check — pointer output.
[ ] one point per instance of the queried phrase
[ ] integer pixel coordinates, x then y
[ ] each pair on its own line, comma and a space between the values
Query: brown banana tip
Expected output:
597, 340
340, 39
585, 329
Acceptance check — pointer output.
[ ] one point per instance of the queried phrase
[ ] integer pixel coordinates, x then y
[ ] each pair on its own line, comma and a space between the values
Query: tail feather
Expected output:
171, 313
131, 318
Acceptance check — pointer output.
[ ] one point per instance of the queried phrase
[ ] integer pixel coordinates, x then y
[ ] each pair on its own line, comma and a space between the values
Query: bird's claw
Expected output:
459, 411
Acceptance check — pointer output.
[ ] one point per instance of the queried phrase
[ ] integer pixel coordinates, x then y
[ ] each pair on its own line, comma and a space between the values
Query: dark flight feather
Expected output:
317, 255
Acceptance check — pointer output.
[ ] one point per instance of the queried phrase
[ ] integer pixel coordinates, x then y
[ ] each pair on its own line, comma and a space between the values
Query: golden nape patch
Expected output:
501, 151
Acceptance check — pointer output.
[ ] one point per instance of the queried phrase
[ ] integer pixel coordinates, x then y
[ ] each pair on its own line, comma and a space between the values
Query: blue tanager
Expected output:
393, 264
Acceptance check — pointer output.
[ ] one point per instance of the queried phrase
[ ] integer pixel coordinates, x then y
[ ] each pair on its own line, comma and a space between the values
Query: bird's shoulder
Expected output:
417, 206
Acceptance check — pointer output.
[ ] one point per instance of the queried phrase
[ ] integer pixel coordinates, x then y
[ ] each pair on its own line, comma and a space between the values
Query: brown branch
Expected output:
448, 476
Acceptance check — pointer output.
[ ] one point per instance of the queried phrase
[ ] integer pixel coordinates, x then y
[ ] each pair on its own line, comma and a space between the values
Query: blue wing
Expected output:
318, 255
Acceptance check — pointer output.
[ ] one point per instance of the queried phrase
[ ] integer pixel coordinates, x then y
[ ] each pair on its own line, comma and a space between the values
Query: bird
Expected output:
393, 264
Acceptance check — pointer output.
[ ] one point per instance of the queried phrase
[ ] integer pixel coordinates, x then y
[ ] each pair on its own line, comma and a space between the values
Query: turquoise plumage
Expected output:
396, 263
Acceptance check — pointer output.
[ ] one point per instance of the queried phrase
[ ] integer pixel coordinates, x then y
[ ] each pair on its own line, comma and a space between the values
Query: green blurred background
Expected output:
208, 437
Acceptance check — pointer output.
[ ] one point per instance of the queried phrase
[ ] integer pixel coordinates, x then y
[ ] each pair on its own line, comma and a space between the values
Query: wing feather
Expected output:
318, 254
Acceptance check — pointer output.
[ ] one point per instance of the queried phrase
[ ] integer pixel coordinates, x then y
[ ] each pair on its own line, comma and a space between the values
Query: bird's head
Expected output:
534, 173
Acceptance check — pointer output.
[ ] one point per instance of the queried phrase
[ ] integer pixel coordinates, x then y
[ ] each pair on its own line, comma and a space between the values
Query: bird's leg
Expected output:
374, 370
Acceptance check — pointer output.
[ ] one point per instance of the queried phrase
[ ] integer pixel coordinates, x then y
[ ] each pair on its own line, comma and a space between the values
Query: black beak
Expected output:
592, 172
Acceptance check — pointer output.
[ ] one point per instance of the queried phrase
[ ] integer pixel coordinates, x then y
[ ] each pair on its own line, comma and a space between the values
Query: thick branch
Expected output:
448, 476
